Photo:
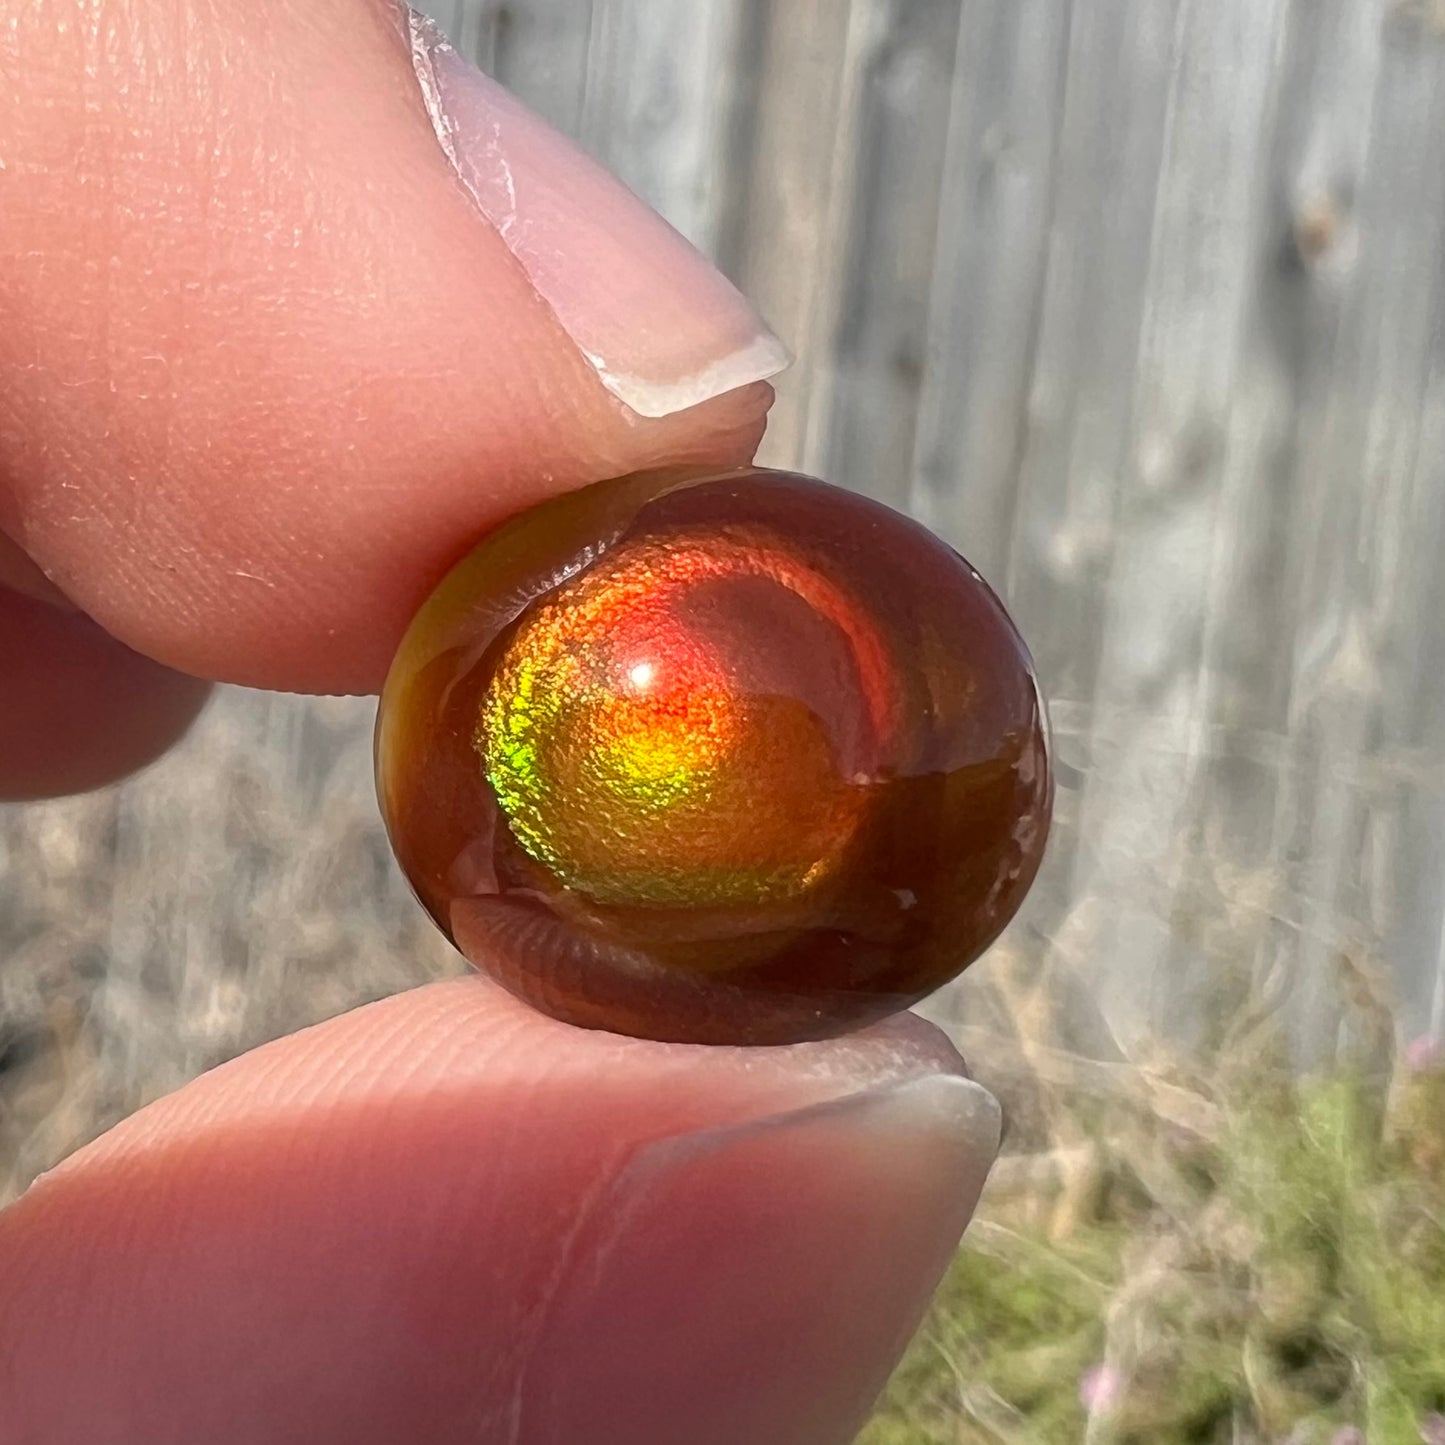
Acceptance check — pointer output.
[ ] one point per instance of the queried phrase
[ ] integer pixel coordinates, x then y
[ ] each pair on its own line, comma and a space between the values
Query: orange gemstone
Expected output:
718, 757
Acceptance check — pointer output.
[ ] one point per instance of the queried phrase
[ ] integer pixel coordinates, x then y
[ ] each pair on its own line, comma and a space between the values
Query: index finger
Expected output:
273, 358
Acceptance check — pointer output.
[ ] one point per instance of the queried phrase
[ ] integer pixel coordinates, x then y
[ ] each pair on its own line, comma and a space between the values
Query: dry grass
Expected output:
1170, 1250
1277, 1277
240, 889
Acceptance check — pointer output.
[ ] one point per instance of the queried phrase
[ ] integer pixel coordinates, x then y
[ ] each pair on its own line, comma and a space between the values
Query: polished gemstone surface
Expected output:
720, 757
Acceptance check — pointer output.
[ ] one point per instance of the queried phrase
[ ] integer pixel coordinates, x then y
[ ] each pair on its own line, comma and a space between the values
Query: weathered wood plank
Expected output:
986, 293
906, 61
1190, 452
660, 93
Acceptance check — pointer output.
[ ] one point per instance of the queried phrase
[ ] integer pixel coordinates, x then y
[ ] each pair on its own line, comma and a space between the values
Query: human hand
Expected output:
268, 364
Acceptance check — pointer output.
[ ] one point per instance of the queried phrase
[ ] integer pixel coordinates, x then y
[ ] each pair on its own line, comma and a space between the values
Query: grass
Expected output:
1204, 1248
1277, 1277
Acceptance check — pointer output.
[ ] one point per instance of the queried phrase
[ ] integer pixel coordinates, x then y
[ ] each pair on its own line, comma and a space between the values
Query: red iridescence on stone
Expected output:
718, 757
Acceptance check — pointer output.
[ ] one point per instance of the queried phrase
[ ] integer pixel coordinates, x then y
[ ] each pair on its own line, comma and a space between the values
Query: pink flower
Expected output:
1425, 1055
1100, 1388
1348, 1435
1432, 1429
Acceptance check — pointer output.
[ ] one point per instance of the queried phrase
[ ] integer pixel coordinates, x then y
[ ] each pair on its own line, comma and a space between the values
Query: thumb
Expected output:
446, 1218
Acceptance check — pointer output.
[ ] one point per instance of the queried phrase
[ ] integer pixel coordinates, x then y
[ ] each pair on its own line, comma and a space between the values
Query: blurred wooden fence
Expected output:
1141, 303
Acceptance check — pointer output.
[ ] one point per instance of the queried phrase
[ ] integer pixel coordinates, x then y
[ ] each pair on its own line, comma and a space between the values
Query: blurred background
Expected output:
1141, 305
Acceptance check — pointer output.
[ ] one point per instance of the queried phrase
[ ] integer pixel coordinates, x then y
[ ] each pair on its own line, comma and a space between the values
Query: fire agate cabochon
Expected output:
722, 758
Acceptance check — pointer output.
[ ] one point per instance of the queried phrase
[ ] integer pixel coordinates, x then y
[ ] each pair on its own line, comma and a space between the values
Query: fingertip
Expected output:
760, 1281
446, 1218
251, 442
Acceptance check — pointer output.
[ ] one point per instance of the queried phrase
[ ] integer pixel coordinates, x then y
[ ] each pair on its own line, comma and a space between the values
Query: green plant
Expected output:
1279, 1276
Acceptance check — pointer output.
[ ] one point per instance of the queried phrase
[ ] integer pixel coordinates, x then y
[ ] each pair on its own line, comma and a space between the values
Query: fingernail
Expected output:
662, 327
761, 1281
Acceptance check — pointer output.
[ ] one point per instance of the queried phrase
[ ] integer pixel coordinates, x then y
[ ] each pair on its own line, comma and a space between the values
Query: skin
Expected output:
255, 397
